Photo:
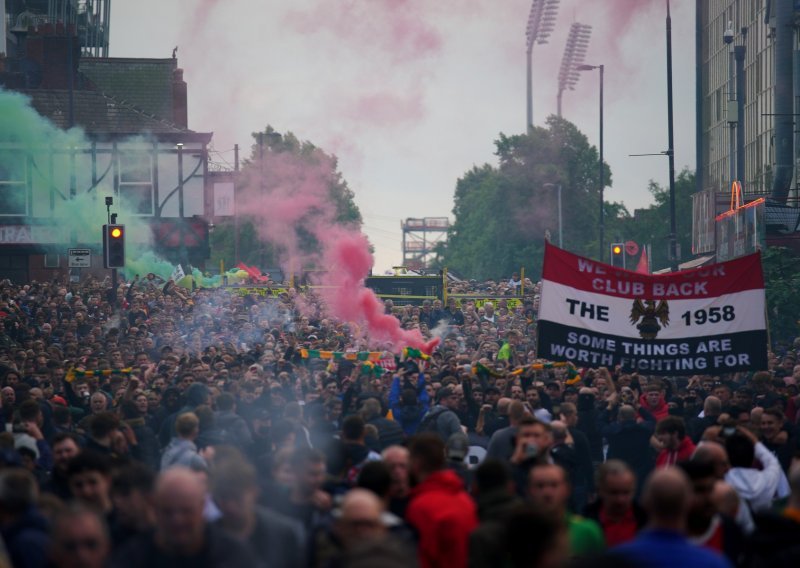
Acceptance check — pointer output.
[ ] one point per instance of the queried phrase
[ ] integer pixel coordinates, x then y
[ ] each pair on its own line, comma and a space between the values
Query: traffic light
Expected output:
114, 246
618, 255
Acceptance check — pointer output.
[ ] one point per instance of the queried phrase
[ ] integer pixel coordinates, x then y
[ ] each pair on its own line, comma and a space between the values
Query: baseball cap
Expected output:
457, 446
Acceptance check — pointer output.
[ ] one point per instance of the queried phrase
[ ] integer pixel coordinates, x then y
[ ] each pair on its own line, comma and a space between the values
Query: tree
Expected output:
782, 278
503, 212
651, 225
282, 168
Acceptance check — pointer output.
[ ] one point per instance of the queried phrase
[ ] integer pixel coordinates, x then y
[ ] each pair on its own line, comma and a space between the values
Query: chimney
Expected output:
180, 110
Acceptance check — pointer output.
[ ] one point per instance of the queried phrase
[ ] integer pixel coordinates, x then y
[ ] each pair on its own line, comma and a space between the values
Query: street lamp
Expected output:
601, 177
560, 226
541, 22
574, 54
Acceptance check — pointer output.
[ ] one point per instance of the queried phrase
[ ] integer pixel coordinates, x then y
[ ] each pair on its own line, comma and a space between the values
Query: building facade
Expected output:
86, 128
748, 95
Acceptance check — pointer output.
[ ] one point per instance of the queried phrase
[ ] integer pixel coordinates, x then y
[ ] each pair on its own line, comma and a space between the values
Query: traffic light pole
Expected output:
113, 298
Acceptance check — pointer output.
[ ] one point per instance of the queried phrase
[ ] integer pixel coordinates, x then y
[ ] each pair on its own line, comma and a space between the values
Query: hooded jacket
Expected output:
661, 410
444, 515
683, 452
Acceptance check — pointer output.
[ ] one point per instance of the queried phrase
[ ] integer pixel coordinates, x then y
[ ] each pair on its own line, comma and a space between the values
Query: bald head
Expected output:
180, 500
360, 517
397, 459
503, 405
559, 431
715, 454
666, 498
712, 406
180, 481
626, 413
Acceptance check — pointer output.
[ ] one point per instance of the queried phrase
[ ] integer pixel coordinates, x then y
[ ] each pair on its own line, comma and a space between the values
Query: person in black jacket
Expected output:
629, 441
275, 540
182, 537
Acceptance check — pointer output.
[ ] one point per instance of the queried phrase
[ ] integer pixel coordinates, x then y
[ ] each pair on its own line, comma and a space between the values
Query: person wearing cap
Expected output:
442, 418
456, 450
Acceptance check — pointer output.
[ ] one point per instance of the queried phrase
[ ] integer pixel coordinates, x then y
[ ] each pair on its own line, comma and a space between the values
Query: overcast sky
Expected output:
410, 94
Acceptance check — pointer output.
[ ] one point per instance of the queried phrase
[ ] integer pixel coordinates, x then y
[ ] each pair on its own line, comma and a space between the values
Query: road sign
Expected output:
80, 258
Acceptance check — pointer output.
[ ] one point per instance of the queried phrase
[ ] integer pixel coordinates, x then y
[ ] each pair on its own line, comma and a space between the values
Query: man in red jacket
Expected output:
673, 442
653, 401
440, 510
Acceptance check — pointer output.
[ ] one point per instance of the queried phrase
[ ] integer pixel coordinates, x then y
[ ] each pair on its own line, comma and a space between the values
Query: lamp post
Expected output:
601, 172
673, 230
541, 22
560, 226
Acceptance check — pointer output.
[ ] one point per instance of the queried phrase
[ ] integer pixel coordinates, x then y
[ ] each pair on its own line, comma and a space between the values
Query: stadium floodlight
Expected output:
541, 23
574, 55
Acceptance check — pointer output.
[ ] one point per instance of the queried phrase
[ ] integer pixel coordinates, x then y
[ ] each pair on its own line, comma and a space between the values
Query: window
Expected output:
136, 183
52, 261
13, 184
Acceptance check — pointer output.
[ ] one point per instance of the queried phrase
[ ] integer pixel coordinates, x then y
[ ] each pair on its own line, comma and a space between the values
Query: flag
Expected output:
642, 267
177, 274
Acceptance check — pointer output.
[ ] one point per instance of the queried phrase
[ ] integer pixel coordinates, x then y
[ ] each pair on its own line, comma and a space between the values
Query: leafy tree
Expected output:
651, 225
782, 278
503, 212
271, 145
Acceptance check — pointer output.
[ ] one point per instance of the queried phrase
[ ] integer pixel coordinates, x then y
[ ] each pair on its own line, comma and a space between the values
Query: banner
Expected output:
178, 274
707, 320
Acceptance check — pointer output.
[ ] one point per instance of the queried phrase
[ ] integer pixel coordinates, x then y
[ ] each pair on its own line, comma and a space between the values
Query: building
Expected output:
748, 92
132, 144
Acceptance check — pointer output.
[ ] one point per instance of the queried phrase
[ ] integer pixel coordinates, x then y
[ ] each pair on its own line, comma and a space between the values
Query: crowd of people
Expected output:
148, 425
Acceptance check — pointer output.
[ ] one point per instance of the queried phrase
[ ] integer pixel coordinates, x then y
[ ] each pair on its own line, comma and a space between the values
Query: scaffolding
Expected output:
88, 20
420, 240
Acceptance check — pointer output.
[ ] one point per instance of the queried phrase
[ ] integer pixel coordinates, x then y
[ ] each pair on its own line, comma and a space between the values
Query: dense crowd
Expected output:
149, 425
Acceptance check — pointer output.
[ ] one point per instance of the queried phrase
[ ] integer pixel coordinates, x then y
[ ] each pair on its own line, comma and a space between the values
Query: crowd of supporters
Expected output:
149, 425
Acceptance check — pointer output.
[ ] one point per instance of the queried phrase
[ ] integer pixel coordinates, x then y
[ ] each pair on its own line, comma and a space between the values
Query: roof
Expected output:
97, 113
142, 83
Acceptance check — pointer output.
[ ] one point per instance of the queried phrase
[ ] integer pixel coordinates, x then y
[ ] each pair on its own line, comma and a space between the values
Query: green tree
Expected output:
269, 145
503, 212
651, 225
782, 279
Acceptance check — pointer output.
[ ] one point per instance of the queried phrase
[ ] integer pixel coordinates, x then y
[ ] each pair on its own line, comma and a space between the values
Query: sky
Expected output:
411, 94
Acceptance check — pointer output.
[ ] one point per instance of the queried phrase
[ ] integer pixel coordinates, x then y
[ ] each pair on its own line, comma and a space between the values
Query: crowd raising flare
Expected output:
152, 426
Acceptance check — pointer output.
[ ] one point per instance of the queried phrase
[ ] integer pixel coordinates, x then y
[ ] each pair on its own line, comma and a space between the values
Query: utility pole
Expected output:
673, 230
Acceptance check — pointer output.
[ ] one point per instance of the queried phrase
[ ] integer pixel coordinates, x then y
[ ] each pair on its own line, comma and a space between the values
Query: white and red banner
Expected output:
706, 320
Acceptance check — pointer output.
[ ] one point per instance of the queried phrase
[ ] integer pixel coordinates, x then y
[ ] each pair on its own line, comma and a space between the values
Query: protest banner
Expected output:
707, 320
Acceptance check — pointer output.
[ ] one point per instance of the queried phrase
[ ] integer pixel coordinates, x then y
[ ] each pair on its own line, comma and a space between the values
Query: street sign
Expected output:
80, 258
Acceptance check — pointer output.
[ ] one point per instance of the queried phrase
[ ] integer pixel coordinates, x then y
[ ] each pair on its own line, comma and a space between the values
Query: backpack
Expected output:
430, 420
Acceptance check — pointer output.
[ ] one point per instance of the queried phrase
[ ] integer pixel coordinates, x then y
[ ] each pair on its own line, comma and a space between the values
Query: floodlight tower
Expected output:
574, 55
541, 22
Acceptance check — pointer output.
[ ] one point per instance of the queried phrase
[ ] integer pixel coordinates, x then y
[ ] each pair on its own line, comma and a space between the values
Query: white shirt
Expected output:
757, 488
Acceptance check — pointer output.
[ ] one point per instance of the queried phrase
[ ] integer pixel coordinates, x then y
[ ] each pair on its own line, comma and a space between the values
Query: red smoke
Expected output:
287, 196
398, 27
348, 298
